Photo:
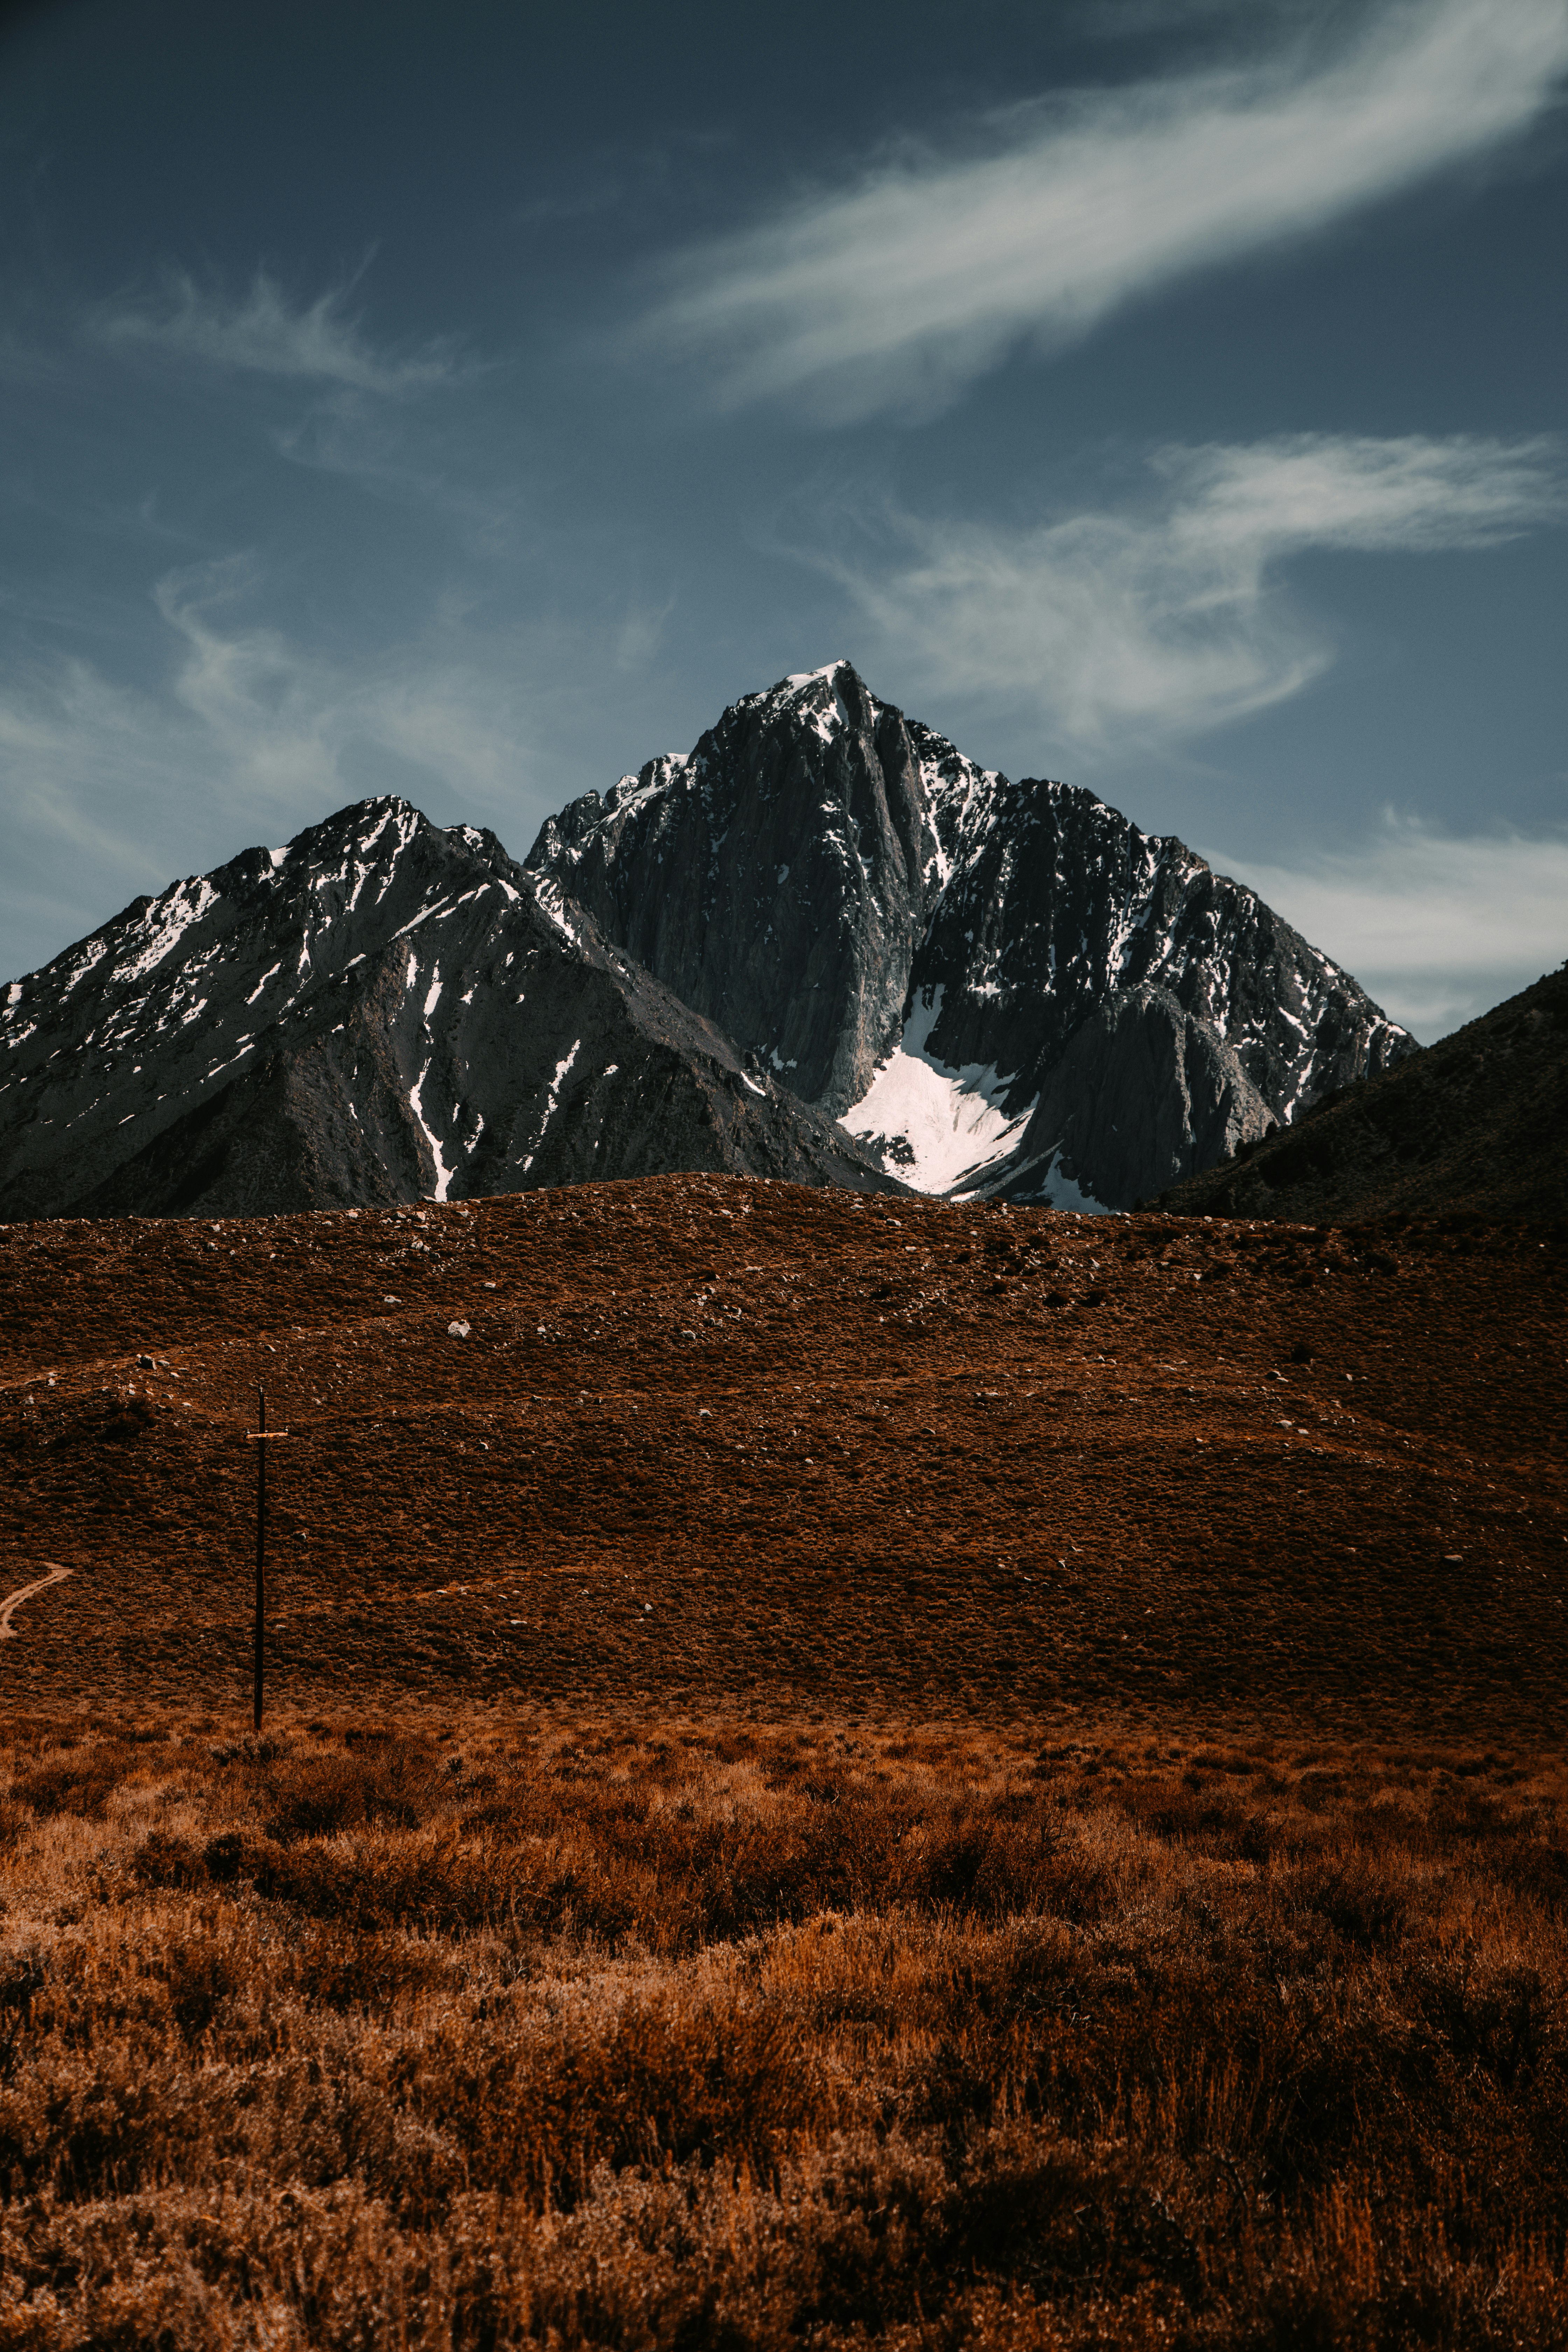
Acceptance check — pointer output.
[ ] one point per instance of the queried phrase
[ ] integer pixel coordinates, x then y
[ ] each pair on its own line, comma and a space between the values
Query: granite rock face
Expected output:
1053, 902
1475, 1125
1143, 1086
913, 942
382, 1011
775, 877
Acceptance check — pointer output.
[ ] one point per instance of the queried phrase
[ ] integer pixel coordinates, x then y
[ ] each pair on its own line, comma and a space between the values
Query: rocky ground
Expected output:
714, 1440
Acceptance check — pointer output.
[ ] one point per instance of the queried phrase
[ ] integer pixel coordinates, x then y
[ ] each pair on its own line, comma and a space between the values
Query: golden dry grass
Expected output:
486, 2031
689, 1983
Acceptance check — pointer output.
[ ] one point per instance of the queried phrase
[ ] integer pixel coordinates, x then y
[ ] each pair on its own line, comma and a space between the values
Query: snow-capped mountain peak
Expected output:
914, 941
824, 911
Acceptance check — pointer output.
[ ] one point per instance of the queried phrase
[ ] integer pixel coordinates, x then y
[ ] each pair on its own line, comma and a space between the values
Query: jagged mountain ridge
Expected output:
1002, 987
382, 1011
915, 942
1476, 1125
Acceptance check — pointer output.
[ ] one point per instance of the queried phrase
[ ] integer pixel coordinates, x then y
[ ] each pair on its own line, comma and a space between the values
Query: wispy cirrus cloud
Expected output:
263, 332
1438, 926
1171, 615
277, 720
248, 731
895, 292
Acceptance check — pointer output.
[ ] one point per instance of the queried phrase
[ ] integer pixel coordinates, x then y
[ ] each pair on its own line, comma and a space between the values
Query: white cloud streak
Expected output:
279, 720
896, 292
252, 736
1169, 616
266, 334
1436, 925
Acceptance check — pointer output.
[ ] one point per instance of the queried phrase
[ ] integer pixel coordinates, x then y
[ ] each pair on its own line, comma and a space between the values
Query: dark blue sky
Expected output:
472, 403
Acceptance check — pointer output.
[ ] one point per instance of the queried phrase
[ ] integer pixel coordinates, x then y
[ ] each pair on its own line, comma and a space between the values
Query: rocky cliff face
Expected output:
1051, 901
384, 1011
774, 878
1475, 1125
1142, 1085
915, 942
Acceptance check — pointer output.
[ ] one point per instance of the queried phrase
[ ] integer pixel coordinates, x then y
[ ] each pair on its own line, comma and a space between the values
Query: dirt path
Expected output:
13, 1600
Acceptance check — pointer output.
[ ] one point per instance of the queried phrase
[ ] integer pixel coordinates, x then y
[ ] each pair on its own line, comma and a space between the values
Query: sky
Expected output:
1164, 395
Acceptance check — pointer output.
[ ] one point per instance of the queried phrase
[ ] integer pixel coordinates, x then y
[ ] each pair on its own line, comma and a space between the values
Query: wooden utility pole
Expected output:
261, 1433
261, 1546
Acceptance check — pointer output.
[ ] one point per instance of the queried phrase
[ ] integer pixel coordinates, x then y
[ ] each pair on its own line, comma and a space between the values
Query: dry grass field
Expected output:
838, 1774
378, 2034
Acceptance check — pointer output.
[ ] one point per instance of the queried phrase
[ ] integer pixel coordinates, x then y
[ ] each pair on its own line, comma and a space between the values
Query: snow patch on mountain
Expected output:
553, 901
1040, 1179
445, 1170
562, 1072
163, 926
939, 1128
828, 714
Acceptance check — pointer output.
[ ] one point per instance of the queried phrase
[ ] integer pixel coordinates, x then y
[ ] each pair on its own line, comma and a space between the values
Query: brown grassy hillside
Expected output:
838, 1774
721, 1439
459, 2032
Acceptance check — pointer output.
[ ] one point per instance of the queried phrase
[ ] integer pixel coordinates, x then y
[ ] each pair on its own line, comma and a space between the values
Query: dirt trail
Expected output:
13, 1600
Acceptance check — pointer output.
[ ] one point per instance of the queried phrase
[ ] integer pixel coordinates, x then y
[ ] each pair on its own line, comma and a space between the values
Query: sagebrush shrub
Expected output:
809, 2035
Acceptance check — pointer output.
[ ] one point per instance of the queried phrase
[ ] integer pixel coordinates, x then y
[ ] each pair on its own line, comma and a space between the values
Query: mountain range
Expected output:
824, 945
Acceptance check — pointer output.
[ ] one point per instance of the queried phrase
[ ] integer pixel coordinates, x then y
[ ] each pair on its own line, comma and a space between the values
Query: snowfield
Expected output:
952, 1120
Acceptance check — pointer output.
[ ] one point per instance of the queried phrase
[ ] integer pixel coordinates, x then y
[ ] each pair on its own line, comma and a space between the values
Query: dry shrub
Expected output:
201, 1969
315, 1796
77, 1784
342, 1969
164, 1860
651, 2085
805, 2036
1355, 1894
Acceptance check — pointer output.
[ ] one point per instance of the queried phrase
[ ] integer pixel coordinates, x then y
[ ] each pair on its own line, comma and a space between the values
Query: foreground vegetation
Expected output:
481, 2034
